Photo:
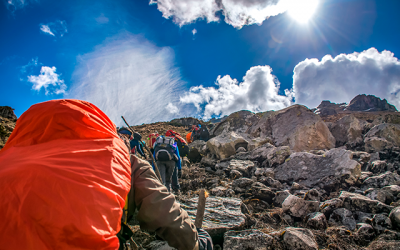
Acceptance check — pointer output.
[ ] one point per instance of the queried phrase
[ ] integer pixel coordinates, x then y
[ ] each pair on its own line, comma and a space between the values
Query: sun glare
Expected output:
303, 10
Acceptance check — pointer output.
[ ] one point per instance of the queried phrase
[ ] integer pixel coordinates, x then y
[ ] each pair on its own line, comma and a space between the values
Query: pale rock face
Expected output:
296, 127
298, 207
299, 239
247, 239
395, 217
316, 221
358, 202
313, 170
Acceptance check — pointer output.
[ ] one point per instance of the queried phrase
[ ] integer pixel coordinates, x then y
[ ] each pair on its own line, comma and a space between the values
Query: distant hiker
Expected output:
67, 179
151, 140
195, 133
188, 137
204, 134
137, 145
167, 156
134, 141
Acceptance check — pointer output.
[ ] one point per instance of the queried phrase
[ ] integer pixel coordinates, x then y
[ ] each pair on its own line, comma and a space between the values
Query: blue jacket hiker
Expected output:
167, 157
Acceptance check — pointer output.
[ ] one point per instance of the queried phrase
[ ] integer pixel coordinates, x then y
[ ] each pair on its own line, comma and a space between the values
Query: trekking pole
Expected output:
201, 207
148, 151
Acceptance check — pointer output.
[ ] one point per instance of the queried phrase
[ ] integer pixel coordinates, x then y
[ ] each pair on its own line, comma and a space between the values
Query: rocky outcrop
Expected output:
382, 137
369, 103
187, 121
296, 127
324, 171
197, 150
238, 122
7, 112
328, 108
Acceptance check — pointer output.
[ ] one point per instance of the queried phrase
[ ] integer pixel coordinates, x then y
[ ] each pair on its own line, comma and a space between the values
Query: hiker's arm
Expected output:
158, 210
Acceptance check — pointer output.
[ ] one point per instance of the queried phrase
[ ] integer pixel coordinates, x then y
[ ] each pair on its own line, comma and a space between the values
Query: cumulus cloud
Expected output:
49, 80
258, 92
173, 109
129, 76
341, 78
237, 12
55, 28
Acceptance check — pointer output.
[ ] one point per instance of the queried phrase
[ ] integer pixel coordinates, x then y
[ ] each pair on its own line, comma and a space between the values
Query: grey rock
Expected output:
365, 233
381, 222
312, 195
362, 157
378, 167
369, 103
241, 150
395, 217
160, 245
382, 137
280, 197
299, 239
298, 207
262, 192
247, 239
241, 185
362, 217
343, 217
269, 182
316, 221
313, 170
234, 174
221, 214
219, 191
357, 202
246, 168
327, 207
382, 180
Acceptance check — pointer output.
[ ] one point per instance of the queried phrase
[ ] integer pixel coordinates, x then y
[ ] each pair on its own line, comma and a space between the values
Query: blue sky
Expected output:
153, 62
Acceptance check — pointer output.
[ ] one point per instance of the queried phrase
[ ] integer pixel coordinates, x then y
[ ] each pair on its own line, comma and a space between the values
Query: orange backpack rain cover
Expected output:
64, 176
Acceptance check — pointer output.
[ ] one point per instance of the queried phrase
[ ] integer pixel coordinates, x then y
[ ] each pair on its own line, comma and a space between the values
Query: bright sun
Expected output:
303, 10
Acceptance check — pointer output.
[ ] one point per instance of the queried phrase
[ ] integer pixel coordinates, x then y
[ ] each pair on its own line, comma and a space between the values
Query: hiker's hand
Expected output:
205, 241
179, 173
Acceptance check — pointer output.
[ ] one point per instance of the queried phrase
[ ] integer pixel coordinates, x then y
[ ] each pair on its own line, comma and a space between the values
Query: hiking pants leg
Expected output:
162, 168
175, 181
170, 166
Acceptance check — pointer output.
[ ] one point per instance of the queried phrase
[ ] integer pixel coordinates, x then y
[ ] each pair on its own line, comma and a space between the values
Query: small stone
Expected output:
380, 223
299, 239
247, 239
342, 216
312, 195
316, 221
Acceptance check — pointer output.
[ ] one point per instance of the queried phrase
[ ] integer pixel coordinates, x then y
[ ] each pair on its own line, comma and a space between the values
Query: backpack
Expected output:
164, 149
151, 140
204, 134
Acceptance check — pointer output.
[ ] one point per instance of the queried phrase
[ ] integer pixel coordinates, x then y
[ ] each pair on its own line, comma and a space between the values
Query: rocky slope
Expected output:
295, 178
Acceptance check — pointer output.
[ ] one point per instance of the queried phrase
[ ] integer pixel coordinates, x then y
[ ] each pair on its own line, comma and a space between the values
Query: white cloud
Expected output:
258, 92
173, 109
49, 80
129, 76
237, 12
102, 19
55, 28
194, 32
46, 29
13, 5
341, 78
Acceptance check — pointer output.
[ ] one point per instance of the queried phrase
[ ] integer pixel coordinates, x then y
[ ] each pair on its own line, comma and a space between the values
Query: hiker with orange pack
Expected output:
66, 177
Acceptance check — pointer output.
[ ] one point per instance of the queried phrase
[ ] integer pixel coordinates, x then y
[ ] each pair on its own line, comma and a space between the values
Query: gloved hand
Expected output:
179, 173
205, 241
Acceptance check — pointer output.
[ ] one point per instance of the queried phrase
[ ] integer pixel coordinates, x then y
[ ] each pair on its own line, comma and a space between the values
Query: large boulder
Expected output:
382, 137
299, 239
246, 168
348, 130
298, 207
312, 170
358, 202
268, 155
197, 150
226, 144
221, 215
296, 127
247, 239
